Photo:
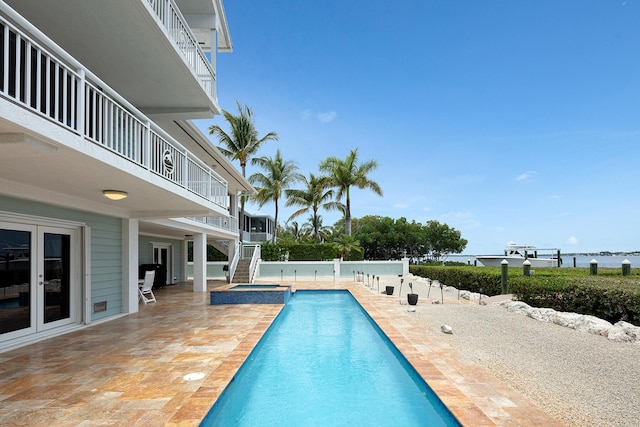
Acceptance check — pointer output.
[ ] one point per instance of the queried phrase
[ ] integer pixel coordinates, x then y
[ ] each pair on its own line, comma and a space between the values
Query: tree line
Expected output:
330, 190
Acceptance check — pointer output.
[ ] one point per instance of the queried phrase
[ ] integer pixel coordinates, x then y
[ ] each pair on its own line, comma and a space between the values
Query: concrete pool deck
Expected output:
131, 371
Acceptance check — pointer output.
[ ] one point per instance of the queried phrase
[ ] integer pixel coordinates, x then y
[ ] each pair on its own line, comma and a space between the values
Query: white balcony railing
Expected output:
178, 30
224, 223
256, 237
49, 82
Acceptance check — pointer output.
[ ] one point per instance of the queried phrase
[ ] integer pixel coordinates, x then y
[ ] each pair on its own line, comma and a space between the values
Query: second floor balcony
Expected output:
145, 49
107, 133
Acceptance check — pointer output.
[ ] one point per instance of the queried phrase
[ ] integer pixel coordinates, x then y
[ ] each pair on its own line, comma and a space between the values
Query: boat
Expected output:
517, 254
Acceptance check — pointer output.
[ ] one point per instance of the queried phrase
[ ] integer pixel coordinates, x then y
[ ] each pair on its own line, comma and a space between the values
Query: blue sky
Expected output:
507, 120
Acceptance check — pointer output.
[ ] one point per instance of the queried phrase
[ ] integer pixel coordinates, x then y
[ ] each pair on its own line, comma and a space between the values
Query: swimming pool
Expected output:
323, 362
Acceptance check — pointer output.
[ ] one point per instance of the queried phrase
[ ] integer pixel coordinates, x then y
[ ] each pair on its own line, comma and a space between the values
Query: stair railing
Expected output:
254, 263
234, 263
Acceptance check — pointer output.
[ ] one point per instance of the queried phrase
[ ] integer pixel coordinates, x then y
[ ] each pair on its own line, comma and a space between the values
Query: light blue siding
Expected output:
106, 248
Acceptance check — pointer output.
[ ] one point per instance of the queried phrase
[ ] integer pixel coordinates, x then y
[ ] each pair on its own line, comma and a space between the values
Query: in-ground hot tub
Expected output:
252, 294
255, 287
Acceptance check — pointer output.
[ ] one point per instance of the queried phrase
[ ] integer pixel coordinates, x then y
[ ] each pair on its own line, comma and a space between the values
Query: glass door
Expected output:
17, 275
163, 256
39, 279
56, 266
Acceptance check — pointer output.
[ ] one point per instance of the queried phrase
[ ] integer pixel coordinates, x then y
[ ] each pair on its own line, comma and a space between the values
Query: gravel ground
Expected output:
578, 378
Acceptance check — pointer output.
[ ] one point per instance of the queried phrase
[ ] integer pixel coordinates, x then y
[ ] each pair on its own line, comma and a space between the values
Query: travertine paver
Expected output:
130, 371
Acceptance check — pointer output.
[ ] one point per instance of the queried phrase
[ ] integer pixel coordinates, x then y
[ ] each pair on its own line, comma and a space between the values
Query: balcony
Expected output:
41, 78
229, 224
179, 32
144, 49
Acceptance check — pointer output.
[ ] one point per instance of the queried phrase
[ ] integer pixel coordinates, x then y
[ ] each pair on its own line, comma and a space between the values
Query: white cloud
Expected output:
572, 240
527, 176
401, 205
327, 117
305, 114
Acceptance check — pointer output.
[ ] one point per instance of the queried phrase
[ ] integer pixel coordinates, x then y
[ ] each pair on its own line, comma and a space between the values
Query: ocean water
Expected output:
612, 261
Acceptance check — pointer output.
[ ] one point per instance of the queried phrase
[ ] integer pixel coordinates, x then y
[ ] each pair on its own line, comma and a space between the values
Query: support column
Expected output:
405, 266
231, 250
234, 213
200, 262
130, 253
185, 260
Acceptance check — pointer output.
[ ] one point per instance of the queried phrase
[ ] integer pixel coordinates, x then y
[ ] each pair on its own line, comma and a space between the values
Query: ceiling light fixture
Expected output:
114, 194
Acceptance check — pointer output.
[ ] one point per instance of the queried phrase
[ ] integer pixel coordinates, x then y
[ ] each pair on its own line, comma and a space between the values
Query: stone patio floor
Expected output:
130, 371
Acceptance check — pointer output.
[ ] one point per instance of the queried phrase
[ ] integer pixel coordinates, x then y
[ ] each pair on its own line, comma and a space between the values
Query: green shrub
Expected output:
609, 295
469, 278
302, 252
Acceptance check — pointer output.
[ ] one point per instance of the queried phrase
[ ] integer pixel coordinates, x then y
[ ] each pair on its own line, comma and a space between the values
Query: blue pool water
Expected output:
323, 362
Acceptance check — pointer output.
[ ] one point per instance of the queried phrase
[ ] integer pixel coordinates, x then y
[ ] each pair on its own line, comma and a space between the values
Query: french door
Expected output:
163, 255
39, 278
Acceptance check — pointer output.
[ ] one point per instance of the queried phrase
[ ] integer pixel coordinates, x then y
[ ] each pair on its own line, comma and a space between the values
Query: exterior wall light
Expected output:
114, 194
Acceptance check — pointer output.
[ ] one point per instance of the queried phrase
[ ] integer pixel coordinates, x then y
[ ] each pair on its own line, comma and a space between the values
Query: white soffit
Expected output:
23, 145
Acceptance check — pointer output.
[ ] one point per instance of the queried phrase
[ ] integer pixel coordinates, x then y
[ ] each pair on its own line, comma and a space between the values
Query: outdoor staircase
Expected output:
242, 271
221, 245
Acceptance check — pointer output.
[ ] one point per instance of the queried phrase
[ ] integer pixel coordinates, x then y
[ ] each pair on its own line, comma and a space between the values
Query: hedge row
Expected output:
302, 252
474, 279
612, 297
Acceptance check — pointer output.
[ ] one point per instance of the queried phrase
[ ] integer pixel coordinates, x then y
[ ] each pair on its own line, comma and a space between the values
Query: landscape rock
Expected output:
518, 306
541, 314
446, 329
618, 334
621, 331
624, 332
565, 319
632, 330
593, 325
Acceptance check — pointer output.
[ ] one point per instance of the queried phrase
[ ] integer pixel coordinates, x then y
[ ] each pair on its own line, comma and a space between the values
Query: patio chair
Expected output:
145, 287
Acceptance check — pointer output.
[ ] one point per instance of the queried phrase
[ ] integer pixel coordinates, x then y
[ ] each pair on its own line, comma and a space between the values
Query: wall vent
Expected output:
99, 306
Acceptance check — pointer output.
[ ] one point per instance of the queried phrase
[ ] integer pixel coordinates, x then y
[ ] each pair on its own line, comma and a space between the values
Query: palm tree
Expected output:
295, 232
279, 175
345, 244
242, 143
322, 232
343, 174
313, 197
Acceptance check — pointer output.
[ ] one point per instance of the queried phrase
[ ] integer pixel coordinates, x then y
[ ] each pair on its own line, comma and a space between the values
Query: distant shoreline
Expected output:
569, 260
636, 253
603, 253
